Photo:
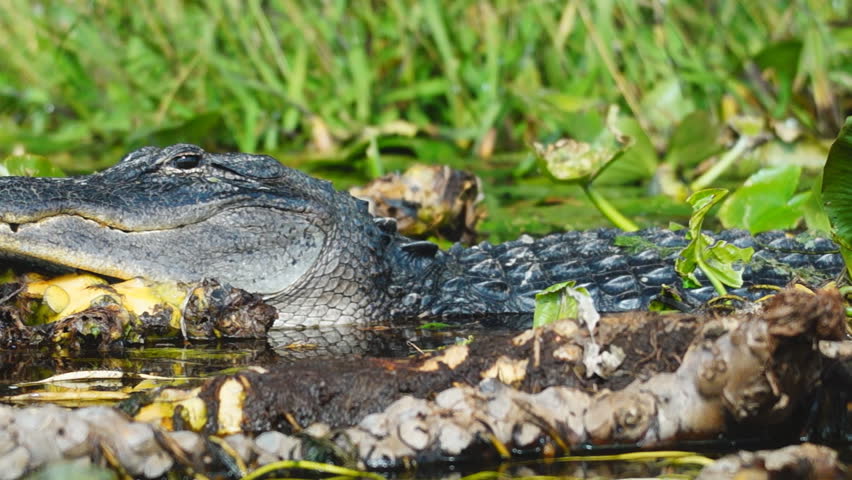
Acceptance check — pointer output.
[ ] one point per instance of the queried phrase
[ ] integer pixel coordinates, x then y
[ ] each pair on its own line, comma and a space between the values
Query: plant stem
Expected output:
609, 211
743, 143
720, 288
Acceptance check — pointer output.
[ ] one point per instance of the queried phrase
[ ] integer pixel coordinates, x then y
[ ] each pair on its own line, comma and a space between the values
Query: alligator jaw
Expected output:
50, 239
175, 254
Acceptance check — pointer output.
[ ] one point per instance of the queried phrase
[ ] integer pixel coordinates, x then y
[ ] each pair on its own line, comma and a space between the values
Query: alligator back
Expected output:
622, 271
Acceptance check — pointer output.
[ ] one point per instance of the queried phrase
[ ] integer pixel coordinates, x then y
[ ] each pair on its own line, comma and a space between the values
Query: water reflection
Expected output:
192, 360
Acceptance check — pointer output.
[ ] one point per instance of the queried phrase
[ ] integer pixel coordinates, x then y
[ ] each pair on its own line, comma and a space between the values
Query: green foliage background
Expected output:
354, 88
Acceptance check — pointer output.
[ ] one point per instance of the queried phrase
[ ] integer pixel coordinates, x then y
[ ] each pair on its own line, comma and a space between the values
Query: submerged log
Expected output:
658, 380
750, 365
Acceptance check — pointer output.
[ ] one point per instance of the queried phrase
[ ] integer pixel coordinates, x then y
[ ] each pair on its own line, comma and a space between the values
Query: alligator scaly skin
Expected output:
182, 214
503, 279
496, 284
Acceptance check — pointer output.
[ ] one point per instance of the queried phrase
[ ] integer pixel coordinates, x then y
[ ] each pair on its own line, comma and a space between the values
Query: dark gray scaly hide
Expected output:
180, 213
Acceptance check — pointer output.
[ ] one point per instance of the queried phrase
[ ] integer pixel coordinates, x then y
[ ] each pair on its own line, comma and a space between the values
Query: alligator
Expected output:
183, 214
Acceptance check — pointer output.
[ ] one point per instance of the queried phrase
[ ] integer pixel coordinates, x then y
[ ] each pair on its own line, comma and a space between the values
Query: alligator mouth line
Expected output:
24, 263
15, 227
38, 246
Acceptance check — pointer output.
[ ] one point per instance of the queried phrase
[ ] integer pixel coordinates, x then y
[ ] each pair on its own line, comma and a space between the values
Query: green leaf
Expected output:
814, 212
702, 201
726, 262
663, 302
781, 57
766, 201
666, 104
721, 262
695, 139
779, 62
570, 161
583, 125
837, 188
637, 163
558, 302
29, 166
435, 326
631, 243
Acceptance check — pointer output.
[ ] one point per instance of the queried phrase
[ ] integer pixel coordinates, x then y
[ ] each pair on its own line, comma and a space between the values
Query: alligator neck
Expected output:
461, 283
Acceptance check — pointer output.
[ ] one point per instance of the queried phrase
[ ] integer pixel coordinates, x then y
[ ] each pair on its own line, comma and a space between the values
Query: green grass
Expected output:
340, 87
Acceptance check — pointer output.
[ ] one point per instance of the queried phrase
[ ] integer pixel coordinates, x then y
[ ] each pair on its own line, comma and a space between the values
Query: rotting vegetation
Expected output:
683, 377
72, 312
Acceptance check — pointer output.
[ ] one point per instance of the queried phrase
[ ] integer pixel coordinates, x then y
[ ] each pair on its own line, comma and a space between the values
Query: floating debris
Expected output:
428, 200
81, 310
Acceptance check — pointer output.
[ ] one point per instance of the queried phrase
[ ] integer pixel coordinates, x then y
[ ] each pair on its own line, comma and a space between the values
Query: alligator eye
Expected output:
186, 161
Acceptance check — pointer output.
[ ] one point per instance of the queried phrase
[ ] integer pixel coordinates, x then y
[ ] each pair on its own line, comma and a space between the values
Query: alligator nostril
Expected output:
13, 227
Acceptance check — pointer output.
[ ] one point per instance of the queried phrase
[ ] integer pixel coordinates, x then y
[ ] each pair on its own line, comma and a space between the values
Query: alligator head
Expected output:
180, 213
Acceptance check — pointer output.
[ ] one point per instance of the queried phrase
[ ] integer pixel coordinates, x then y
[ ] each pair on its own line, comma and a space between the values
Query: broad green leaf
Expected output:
766, 201
726, 262
665, 104
562, 301
637, 163
585, 126
721, 262
781, 57
29, 166
695, 138
837, 188
779, 62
